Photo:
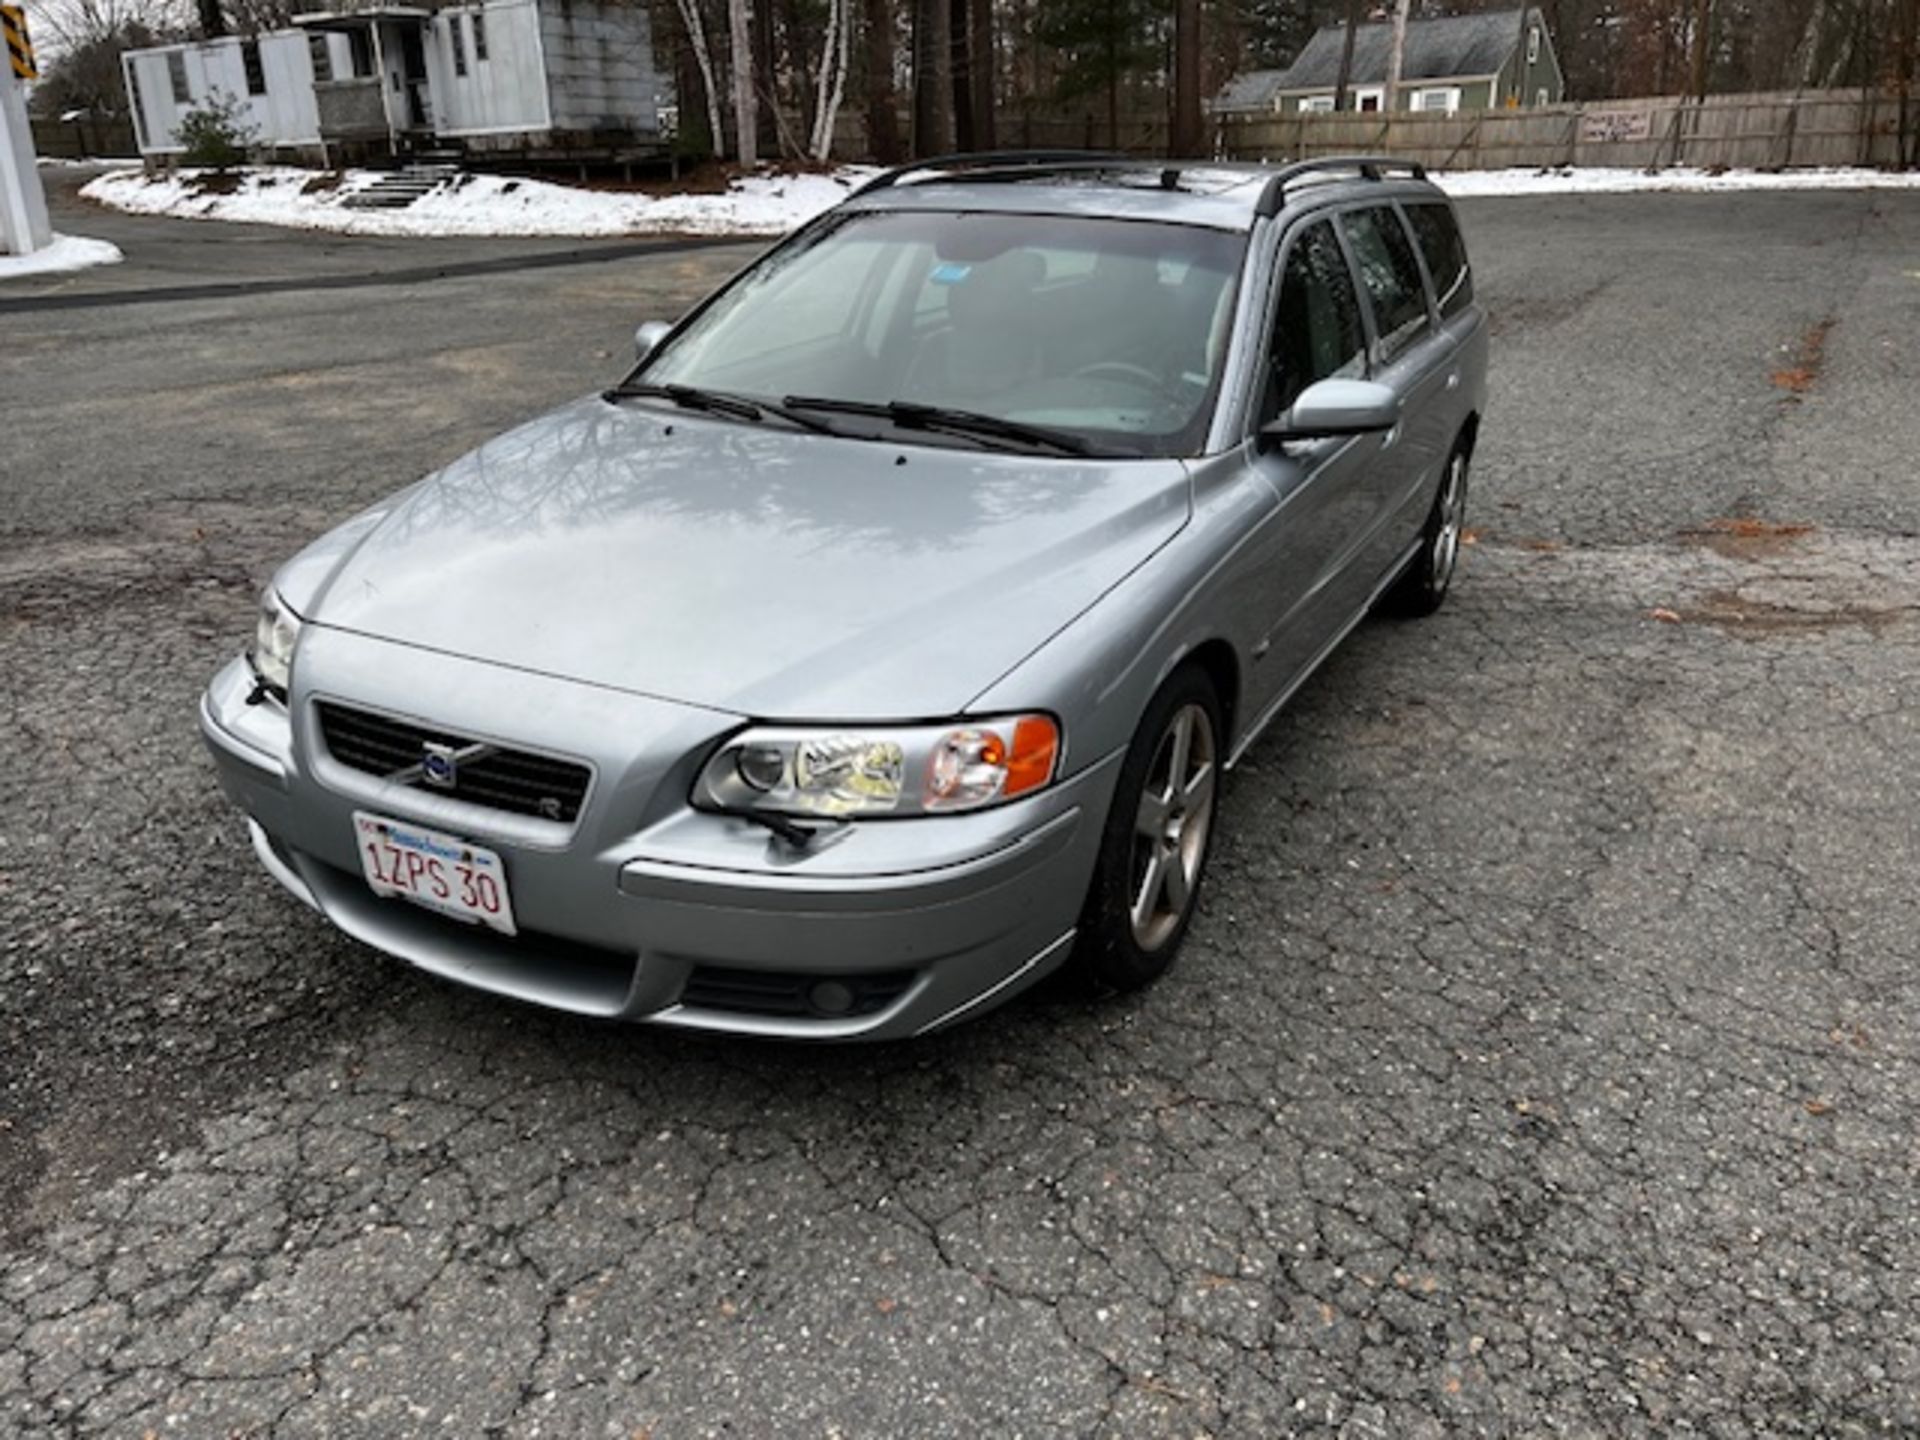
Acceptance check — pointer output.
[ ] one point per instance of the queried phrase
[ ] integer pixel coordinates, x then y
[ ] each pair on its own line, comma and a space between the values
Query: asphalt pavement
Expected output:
1542, 1060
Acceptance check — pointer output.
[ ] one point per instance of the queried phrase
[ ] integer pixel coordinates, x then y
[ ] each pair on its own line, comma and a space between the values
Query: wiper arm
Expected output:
719, 402
911, 415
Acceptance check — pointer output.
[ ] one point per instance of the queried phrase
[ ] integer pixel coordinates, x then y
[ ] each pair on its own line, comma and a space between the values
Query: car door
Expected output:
1315, 331
1413, 355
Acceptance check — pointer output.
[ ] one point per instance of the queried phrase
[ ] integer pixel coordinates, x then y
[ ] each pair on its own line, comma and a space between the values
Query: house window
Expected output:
1533, 45
1318, 104
479, 35
1368, 100
321, 57
360, 52
1540, 97
458, 32
1445, 99
250, 62
177, 77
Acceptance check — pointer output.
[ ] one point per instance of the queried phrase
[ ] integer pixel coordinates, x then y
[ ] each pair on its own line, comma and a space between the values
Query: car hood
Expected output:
764, 571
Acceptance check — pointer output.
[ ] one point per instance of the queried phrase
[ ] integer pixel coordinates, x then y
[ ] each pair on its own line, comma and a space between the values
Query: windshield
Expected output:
1111, 330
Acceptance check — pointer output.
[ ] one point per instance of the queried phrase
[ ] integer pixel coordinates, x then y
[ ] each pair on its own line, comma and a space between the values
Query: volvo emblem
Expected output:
439, 764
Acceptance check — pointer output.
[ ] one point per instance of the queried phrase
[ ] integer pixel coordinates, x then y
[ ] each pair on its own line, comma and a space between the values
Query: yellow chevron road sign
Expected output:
13, 21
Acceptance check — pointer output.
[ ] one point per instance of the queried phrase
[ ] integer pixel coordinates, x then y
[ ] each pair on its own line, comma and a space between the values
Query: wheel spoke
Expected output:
1148, 898
1177, 881
1152, 816
1199, 790
1182, 748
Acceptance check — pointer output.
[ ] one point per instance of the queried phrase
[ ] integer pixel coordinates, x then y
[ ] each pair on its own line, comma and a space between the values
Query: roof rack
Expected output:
984, 164
1370, 167
988, 160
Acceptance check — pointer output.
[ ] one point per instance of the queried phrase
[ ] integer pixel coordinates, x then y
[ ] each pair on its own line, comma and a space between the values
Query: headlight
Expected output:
917, 770
271, 654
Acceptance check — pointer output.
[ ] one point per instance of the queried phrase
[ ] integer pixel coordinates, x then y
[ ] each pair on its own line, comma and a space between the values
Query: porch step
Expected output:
402, 187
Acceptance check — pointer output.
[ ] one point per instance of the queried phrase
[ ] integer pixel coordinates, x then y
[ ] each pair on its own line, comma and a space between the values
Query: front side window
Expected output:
1390, 274
1113, 331
1446, 254
1317, 332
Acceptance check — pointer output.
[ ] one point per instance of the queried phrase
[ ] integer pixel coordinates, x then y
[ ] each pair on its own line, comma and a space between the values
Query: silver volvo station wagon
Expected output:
880, 642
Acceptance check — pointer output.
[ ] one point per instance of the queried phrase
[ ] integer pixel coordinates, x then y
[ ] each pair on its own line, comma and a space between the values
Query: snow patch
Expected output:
476, 204
767, 204
1601, 180
67, 252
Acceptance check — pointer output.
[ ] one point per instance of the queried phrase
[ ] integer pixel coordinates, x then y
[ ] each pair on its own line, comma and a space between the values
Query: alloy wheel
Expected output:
1173, 818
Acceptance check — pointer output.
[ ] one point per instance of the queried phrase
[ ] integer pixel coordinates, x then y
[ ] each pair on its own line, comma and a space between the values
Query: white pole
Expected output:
23, 204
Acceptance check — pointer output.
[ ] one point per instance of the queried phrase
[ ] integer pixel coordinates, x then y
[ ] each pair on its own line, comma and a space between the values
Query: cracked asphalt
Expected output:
1542, 1061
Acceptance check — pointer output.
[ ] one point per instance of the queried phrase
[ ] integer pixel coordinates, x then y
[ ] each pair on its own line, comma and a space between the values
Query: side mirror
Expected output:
1336, 407
648, 337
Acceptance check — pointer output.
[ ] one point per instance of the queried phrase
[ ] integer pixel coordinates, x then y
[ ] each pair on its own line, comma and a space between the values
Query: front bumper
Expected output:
647, 909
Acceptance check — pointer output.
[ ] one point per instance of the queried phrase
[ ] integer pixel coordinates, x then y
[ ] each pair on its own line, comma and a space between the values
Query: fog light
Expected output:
831, 997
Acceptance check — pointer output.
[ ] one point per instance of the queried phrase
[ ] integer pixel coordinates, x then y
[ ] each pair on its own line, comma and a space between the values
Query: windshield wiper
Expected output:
719, 402
911, 415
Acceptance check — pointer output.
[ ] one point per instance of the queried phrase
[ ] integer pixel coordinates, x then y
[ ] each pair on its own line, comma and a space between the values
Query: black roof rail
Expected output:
1370, 167
996, 160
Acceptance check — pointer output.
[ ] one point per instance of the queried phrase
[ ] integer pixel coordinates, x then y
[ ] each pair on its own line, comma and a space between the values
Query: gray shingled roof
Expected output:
1438, 49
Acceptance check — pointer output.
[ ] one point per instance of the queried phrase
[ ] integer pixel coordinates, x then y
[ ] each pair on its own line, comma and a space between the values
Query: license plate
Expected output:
434, 869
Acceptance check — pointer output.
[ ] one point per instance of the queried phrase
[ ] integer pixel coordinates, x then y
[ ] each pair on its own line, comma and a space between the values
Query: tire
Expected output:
1128, 936
1423, 585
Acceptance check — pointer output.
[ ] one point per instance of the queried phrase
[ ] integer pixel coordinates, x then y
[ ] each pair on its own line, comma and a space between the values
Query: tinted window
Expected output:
1390, 273
177, 77
1316, 326
1439, 237
250, 62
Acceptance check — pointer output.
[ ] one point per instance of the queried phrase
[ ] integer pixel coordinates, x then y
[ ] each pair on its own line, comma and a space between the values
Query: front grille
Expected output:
789, 994
482, 774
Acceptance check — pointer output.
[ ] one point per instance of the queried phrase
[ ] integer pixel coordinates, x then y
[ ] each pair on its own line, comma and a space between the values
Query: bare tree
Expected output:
1346, 56
883, 120
835, 51
1186, 136
932, 77
703, 57
1396, 58
745, 118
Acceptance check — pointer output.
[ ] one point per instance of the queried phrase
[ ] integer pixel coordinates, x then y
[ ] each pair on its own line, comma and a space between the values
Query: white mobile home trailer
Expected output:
541, 77
272, 75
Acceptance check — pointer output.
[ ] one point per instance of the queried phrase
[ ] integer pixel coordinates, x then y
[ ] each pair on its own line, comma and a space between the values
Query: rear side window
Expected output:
1316, 327
1439, 236
1392, 276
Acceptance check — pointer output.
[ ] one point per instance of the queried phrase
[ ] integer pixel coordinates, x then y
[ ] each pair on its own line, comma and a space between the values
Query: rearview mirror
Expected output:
648, 337
1337, 407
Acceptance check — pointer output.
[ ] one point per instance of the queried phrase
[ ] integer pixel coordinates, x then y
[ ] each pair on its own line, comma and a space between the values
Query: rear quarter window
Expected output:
1446, 254
1384, 256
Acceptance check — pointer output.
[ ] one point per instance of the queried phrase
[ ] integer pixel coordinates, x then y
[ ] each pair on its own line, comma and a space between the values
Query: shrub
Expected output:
216, 133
